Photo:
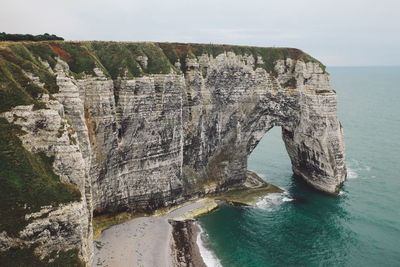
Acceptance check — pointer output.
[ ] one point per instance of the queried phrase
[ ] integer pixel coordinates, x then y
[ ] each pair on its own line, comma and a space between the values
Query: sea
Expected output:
302, 227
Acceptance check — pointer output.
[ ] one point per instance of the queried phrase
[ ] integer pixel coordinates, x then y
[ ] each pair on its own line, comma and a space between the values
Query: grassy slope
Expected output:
27, 181
116, 57
15, 87
23, 257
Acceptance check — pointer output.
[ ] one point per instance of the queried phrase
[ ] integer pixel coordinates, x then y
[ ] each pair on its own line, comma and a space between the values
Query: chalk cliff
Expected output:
139, 126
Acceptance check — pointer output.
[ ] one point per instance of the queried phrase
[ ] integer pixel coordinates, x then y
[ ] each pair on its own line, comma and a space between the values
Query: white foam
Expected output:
356, 168
286, 199
351, 174
209, 257
273, 201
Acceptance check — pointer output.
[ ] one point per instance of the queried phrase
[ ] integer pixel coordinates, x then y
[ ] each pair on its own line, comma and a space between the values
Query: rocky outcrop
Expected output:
62, 227
178, 130
185, 251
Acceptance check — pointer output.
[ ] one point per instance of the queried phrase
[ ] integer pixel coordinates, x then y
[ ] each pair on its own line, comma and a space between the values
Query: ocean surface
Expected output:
360, 227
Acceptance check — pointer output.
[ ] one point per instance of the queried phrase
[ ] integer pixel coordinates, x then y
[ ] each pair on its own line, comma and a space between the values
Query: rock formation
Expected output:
155, 124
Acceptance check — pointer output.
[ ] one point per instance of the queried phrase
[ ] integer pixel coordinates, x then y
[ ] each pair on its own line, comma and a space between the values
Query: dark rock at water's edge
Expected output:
102, 127
185, 251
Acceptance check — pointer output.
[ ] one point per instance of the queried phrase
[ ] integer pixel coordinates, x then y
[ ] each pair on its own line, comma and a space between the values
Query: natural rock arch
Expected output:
143, 125
192, 134
250, 102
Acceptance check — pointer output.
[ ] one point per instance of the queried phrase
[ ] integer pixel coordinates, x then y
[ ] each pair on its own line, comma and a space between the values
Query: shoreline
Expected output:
184, 247
134, 242
169, 237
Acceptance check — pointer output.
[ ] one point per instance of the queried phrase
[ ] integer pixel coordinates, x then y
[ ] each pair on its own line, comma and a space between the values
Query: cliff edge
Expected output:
97, 127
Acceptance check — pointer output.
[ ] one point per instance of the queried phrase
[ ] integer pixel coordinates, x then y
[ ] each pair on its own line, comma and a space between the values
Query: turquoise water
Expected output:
361, 227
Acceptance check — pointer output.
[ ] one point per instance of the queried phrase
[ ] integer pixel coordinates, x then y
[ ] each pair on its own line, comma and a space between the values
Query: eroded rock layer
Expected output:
154, 124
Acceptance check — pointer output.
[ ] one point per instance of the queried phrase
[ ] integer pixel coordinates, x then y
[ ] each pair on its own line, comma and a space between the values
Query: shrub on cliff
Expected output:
29, 37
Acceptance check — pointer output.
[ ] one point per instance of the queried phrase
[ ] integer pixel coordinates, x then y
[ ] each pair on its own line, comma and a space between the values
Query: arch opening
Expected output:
270, 160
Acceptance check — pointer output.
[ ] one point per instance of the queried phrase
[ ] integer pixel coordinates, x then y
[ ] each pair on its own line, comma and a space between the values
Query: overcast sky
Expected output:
337, 32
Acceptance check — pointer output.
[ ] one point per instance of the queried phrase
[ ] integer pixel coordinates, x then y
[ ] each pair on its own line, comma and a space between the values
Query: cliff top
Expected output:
131, 59
161, 56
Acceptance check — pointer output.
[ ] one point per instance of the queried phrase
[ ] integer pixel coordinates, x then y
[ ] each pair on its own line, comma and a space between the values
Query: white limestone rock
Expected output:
153, 141
67, 226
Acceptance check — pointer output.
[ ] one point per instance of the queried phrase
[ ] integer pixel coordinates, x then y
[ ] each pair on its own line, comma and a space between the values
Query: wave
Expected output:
209, 257
273, 201
351, 174
355, 168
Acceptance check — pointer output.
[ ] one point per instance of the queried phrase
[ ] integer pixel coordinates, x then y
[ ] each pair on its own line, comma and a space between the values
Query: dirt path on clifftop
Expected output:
143, 241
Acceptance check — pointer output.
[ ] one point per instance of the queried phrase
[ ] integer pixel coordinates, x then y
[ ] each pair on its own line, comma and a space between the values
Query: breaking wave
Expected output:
209, 257
273, 201
355, 168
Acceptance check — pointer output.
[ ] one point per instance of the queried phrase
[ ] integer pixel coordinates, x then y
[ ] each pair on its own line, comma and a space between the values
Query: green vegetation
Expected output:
79, 58
120, 57
175, 51
16, 88
24, 58
71, 131
22, 257
157, 61
27, 181
42, 51
13, 93
115, 59
28, 37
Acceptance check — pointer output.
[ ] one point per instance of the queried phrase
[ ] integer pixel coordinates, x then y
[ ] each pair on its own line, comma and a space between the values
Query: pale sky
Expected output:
337, 32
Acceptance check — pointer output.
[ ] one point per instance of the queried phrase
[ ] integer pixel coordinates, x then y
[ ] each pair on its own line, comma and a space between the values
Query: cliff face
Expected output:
155, 124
